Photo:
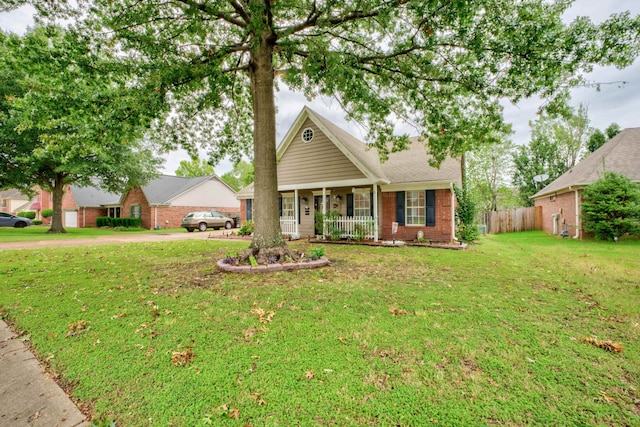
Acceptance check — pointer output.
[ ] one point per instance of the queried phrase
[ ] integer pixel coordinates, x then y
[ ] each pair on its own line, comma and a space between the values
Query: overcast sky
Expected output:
615, 102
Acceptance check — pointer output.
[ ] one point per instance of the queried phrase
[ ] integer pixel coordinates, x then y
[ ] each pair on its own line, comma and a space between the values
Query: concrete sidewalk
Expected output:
28, 395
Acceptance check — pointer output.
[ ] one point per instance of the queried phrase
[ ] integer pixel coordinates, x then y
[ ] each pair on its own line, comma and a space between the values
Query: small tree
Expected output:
611, 207
194, 168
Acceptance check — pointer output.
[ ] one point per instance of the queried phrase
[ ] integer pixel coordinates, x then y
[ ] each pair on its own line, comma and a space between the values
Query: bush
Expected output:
106, 221
46, 213
611, 207
246, 229
27, 214
36, 222
466, 215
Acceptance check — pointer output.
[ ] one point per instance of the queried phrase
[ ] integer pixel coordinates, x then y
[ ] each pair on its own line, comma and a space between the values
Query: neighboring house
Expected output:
165, 200
14, 201
319, 162
81, 206
562, 199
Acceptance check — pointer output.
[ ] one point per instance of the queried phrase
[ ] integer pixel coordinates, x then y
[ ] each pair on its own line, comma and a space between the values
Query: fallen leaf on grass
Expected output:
607, 398
264, 316
76, 328
233, 413
397, 311
605, 344
342, 340
182, 358
309, 375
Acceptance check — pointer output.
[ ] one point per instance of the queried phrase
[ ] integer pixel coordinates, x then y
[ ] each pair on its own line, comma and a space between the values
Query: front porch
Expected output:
333, 213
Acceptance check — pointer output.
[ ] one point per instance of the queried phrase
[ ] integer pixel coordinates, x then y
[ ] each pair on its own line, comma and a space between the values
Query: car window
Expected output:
5, 215
190, 215
216, 214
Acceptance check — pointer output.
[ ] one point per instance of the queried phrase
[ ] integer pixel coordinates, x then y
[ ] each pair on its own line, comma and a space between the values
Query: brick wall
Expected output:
87, 216
171, 216
441, 232
136, 197
564, 205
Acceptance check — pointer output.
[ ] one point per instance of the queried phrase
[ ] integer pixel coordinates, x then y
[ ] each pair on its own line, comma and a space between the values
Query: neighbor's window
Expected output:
287, 207
361, 204
415, 208
135, 211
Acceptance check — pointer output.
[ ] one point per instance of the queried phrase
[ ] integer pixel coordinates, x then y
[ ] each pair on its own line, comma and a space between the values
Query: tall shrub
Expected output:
466, 215
611, 207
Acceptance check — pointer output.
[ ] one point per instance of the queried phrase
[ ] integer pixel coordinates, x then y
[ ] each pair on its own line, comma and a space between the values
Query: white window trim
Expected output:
406, 209
307, 131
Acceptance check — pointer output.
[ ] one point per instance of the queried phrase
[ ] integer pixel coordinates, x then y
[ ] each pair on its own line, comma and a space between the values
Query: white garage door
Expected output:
71, 219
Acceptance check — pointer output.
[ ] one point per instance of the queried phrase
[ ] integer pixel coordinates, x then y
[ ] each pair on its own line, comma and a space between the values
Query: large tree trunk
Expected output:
267, 233
57, 192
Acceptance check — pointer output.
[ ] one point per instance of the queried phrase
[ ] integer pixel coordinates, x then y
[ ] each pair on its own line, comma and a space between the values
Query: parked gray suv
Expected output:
204, 220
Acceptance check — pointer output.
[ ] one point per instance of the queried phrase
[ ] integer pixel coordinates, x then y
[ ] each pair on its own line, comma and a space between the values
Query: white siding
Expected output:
211, 193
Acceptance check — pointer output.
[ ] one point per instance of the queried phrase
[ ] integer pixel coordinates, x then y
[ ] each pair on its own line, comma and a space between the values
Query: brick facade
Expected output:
564, 207
441, 232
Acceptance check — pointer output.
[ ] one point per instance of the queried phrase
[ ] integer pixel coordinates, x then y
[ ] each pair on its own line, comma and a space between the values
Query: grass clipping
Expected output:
607, 345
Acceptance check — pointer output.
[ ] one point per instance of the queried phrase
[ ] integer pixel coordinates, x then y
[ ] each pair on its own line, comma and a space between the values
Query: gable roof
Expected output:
93, 197
13, 194
162, 190
620, 154
407, 166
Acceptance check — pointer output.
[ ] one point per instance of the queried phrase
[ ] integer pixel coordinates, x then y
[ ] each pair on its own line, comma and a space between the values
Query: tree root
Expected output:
269, 255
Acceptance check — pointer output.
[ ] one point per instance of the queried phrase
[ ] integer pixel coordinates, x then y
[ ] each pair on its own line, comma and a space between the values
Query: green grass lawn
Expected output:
150, 334
39, 232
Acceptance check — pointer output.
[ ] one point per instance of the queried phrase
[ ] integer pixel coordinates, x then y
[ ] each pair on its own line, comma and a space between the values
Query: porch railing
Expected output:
350, 227
288, 225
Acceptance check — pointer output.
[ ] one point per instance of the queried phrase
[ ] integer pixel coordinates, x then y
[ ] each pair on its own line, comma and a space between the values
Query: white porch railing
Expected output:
288, 225
351, 227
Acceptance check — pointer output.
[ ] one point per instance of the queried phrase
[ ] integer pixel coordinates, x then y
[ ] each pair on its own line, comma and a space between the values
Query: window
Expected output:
361, 204
135, 211
287, 207
415, 208
307, 135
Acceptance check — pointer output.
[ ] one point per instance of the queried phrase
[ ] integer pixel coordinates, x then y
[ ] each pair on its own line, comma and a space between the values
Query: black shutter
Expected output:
280, 206
249, 209
299, 211
400, 207
371, 202
349, 204
430, 197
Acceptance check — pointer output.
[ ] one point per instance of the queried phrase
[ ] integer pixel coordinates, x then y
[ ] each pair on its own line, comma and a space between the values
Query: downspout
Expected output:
577, 215
155, 217
453, 212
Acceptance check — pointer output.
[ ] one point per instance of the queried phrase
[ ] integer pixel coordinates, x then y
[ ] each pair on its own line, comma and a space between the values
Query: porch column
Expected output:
296, 210
375, 212
324, 211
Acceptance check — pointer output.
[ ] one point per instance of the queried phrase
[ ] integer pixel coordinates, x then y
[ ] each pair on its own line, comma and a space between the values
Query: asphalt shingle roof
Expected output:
164, 188
93, 197
620, 154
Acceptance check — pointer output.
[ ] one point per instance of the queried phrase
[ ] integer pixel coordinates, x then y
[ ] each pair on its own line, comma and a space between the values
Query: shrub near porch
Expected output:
385, 336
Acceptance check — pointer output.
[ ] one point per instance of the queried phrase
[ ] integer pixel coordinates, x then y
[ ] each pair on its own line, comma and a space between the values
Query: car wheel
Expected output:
190, 230
20, 224
202, 226
227, 225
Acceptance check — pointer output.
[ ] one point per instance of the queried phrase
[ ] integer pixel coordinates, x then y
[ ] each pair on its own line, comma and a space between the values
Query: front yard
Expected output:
150, 334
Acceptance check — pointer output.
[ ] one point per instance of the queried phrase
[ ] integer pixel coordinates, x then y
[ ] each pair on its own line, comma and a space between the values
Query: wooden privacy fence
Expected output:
514, 220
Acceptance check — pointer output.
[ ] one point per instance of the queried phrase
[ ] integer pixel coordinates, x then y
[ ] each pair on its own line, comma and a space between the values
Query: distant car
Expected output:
8, 220
204, 220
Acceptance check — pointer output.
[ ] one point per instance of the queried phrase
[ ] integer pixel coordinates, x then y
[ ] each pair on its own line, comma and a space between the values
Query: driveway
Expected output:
115, 238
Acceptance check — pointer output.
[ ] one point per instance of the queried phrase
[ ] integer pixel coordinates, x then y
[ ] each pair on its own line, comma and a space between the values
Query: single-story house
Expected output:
81, 206
561, 200
323, 169
165, 200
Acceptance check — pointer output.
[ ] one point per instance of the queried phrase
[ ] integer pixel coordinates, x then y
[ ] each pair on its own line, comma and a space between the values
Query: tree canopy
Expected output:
193, 168
68, 116
240, 176
440, 65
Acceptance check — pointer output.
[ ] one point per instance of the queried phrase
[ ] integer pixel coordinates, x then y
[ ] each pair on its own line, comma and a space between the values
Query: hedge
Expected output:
46, 213
106, 221
27, 214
